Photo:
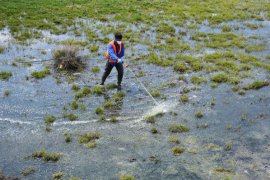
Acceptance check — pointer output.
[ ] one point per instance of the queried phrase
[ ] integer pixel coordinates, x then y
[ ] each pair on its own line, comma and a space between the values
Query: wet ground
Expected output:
128, 146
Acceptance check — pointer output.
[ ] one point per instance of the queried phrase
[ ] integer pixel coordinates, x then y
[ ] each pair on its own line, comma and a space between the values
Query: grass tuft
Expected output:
178, 128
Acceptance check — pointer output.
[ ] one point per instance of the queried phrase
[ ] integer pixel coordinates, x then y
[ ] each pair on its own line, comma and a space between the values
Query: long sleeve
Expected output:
122, 53
111, 53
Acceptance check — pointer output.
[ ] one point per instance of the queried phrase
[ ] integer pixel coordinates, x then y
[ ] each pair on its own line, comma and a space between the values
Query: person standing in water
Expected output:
114, 55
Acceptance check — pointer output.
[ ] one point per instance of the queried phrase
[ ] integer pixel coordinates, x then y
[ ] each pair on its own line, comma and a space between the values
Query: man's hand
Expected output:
125, 65
120, 61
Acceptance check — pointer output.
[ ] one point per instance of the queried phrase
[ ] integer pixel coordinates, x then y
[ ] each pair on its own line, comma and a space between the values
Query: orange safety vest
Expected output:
114, 48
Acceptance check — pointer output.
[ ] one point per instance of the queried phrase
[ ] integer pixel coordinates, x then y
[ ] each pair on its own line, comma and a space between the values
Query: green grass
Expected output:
220, 78
53, 157
150, 119
40, 74
180, 67
70, 116
99, 110
154, 130
72, 42
88, 137
75, 87
174, 139
68, 137
111, 86
198, 80
74, 178
49, 119
184, 98
86, 91
57, 175
2, 49
95, 69
5, 75
178, 128
21, 17
119, 96
126, 177
228, 146
98, 90
155, 93
199, 114
177, 151
43, 52
29, 170
74, 105
108, 104
257, 85
93, 48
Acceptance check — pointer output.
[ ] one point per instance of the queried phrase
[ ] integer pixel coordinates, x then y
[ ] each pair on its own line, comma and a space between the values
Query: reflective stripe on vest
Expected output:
114, 49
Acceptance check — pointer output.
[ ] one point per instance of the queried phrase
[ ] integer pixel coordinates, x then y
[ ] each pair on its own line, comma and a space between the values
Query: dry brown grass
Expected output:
66, 58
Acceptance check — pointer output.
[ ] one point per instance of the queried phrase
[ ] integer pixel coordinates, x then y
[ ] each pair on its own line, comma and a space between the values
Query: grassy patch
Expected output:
99, 110
4, 75
220, 78
58, 175
119, 96
95, 69
93, 48
177, 151
2, 49
154, 130
70, 116
75, 87
198, 80
29, 170
88, 137
111, 86
228, 146
199, 114
126, 177
174, 139
184, 98
150, 119
74, 105
155, 93
40, 74
49, 119
178, 128
108, 104
98, 90
68, 137
257, 85
47, 156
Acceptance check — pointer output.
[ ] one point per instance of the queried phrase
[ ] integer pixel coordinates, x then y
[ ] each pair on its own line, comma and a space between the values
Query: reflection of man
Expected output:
115, 52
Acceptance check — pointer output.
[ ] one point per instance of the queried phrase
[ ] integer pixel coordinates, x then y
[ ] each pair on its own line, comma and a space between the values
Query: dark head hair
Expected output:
118, 36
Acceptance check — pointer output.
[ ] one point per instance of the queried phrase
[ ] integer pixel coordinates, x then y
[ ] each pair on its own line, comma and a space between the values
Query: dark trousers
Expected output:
108, 69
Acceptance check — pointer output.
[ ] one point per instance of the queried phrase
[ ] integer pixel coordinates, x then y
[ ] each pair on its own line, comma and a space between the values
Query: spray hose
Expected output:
142, 85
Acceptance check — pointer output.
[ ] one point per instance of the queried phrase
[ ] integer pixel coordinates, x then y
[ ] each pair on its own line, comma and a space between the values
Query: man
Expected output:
115, 52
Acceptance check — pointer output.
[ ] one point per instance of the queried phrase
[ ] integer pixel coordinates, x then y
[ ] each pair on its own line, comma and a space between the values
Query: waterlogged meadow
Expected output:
206, 64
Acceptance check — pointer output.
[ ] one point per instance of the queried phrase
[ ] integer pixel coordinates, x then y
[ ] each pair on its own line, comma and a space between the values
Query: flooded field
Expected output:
209, 119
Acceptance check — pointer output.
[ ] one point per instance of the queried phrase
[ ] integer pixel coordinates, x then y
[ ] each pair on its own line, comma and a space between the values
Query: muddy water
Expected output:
128, 147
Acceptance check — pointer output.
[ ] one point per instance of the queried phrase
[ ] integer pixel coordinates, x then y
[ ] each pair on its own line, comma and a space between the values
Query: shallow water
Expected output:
128, 147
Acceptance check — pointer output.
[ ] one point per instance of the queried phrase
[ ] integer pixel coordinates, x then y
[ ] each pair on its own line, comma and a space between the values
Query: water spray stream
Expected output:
143, 86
